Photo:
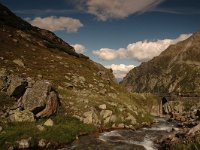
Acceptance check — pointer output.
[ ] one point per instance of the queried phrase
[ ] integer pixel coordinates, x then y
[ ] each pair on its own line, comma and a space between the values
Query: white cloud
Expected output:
57, 23
79, 48
120, 70
145, 50
141, 51
118, 9
109, 54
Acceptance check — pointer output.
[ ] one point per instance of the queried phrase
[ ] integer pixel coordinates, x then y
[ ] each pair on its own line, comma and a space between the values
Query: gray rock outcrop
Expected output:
41, 99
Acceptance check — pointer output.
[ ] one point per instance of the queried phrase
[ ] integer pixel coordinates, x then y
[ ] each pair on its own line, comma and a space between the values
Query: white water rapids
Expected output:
142, 139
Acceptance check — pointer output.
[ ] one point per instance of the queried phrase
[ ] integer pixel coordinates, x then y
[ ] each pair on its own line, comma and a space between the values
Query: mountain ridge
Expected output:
175, 70
49, 39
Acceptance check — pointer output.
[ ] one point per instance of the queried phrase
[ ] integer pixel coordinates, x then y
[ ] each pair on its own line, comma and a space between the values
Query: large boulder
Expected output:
41, 99
17, 86
51, 107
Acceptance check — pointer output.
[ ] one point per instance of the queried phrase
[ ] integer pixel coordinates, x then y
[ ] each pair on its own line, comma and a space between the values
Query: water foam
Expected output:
161, 128
147, 143
105, 136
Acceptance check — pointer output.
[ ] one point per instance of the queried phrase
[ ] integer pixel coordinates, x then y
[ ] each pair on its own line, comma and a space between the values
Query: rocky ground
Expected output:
31, 101
186, 134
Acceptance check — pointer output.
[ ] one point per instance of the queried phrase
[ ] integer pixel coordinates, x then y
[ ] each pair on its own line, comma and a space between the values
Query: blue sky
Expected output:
116, 33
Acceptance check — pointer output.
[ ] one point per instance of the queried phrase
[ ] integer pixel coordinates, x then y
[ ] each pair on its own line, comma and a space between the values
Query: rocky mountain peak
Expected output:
177, 69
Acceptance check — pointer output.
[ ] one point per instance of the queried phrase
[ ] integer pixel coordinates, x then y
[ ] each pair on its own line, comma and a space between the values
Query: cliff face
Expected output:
177, 69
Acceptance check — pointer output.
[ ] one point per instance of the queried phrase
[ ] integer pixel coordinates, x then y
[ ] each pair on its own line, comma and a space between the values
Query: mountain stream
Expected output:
141, 139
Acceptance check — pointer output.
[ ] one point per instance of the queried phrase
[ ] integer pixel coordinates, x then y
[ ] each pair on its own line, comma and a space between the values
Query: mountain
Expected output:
177, 69
38, 69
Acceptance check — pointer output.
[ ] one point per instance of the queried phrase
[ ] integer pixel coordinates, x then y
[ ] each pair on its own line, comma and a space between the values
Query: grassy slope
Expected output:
64, 131
54, 65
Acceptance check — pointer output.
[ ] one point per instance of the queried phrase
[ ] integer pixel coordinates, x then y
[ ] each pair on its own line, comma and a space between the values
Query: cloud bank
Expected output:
79, 48
141, 51
57, 23
120, 70
118, 9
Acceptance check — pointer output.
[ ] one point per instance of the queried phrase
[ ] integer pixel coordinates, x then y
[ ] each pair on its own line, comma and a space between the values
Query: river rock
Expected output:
105, 113
90, 117
121, 125
131, 118
41, 99
21, 116
113, 118
49, 123
106, 116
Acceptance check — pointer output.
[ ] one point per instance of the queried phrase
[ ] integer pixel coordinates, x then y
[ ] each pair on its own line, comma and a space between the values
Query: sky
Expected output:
119, 34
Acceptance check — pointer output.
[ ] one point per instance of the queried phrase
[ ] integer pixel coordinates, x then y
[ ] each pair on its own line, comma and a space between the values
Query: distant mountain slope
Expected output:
177, 69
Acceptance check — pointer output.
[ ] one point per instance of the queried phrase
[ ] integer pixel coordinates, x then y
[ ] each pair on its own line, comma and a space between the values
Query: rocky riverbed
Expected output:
123, 139
165, 133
